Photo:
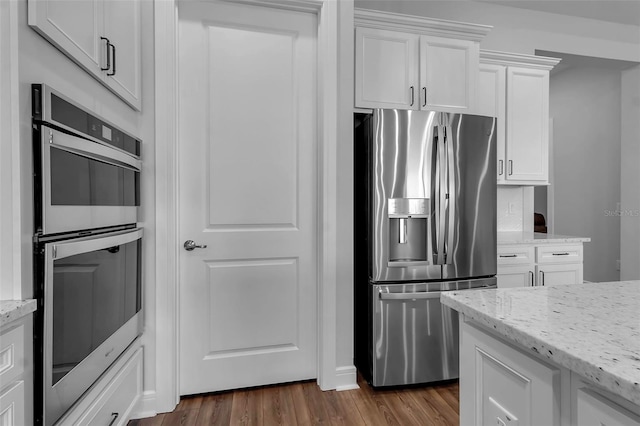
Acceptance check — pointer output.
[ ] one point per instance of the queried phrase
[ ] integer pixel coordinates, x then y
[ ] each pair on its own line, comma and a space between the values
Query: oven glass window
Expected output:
82, 181
94, 294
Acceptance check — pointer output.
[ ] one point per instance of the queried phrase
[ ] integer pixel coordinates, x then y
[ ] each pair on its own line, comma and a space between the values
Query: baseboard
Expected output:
146, 407
346, 378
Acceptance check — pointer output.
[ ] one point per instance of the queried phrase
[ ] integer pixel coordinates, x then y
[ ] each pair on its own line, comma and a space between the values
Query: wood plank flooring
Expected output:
303, 403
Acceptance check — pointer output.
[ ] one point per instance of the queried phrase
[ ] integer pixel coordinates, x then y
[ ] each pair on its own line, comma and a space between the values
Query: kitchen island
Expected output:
556, 355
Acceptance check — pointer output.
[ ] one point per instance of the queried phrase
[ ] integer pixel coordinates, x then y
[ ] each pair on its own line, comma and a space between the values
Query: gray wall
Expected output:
630, 176
585, 103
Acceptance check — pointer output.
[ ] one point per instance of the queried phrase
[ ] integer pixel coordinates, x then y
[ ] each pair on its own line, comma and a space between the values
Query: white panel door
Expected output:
528, 124
448, 74
515, 276
491, 102
386, 69
247, 191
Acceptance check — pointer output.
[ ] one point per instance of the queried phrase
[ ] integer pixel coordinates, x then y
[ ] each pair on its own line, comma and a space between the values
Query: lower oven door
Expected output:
92, 312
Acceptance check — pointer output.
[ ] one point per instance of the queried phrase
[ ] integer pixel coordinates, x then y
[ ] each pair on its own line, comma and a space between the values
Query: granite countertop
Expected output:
11, 310
537, 238
592, 329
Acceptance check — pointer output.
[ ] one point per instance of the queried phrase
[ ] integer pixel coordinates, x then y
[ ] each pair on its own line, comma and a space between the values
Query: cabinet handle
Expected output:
113, 46
542, 276
560, 254
531, 278
510, 167
501, 163
411, 88
508, 255
113, 420
108, 56
424, 93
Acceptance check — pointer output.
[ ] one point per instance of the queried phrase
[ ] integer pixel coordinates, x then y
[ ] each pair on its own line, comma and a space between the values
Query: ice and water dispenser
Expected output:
408, 231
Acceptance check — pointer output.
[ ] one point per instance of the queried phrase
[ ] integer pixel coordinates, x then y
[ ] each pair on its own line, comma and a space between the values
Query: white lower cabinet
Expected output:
552, 264
506, 385
112, 399
499, 385
16, 373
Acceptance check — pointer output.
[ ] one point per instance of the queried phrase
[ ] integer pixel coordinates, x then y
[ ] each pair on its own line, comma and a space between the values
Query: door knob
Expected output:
190, 245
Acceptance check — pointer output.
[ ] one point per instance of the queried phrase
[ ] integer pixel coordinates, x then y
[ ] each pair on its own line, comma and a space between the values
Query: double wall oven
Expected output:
87, 249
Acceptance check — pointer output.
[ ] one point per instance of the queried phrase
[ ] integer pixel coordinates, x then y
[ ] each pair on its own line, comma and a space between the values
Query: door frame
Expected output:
167, 194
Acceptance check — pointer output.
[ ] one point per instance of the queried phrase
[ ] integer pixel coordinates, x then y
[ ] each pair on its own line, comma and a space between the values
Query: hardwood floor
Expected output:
303, 403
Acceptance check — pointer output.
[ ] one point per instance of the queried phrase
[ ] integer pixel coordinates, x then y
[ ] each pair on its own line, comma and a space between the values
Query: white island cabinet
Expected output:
557, 355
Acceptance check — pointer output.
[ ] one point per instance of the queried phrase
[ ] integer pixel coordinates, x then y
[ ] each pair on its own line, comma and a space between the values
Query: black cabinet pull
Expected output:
113, 72
508, 255
115, 417
108, 56
411, 96
424, 92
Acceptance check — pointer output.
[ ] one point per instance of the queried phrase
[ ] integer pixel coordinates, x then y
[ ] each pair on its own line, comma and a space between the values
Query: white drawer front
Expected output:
114, 406
11, 354
595, 410
12, 405
559, 253
515, 254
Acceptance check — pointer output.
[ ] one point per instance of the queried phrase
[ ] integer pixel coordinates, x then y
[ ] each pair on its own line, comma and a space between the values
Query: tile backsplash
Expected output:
515, 208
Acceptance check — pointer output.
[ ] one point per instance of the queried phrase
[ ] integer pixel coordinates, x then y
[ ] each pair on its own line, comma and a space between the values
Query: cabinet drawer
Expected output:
119, 397
594, 409
12, 405
11, 354
515, 254
559, 253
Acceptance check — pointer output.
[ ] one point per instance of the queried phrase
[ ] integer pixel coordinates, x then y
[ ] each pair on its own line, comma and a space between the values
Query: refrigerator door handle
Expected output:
440, 196
451, 191
409, 296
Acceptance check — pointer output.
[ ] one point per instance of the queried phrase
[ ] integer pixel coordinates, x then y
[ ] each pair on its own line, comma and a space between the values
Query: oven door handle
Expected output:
92, 150
94, 243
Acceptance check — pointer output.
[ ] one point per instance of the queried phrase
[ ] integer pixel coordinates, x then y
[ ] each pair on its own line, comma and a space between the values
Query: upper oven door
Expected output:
82, 184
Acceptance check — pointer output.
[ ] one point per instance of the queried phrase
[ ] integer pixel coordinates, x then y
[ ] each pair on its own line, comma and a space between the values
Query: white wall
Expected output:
524, 31
630, 176
344, 256
515, 208
585, 106
40, 62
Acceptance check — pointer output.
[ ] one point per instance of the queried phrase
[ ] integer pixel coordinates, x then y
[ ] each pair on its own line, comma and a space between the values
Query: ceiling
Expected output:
618, 11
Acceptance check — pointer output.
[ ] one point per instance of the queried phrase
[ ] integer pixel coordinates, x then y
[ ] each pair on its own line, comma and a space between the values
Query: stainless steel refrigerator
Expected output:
425, 222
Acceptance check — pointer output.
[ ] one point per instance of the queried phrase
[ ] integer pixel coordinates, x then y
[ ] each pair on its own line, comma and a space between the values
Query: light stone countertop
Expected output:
537, 238
12, 310
592, 329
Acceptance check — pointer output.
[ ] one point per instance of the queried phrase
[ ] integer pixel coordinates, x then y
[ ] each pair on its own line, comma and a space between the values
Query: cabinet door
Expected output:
593, 409
122, 28
72, 26
491, 102
448, 74
559, 274
386, 69
515, 276
500, 385
527, 125
12, 406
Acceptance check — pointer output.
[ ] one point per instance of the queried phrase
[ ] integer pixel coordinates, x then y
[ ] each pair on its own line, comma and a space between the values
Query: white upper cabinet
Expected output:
448, 73
388, 64
408, 62
101, 36
515, 89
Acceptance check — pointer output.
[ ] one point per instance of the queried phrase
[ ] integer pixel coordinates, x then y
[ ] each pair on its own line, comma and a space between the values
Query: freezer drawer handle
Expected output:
409, 296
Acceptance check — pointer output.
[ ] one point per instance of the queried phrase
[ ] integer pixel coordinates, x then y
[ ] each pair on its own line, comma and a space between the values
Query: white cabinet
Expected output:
502, 386
522, 265
415, 63
102, 36
112, 399
16, 372
515, 89
387, 69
